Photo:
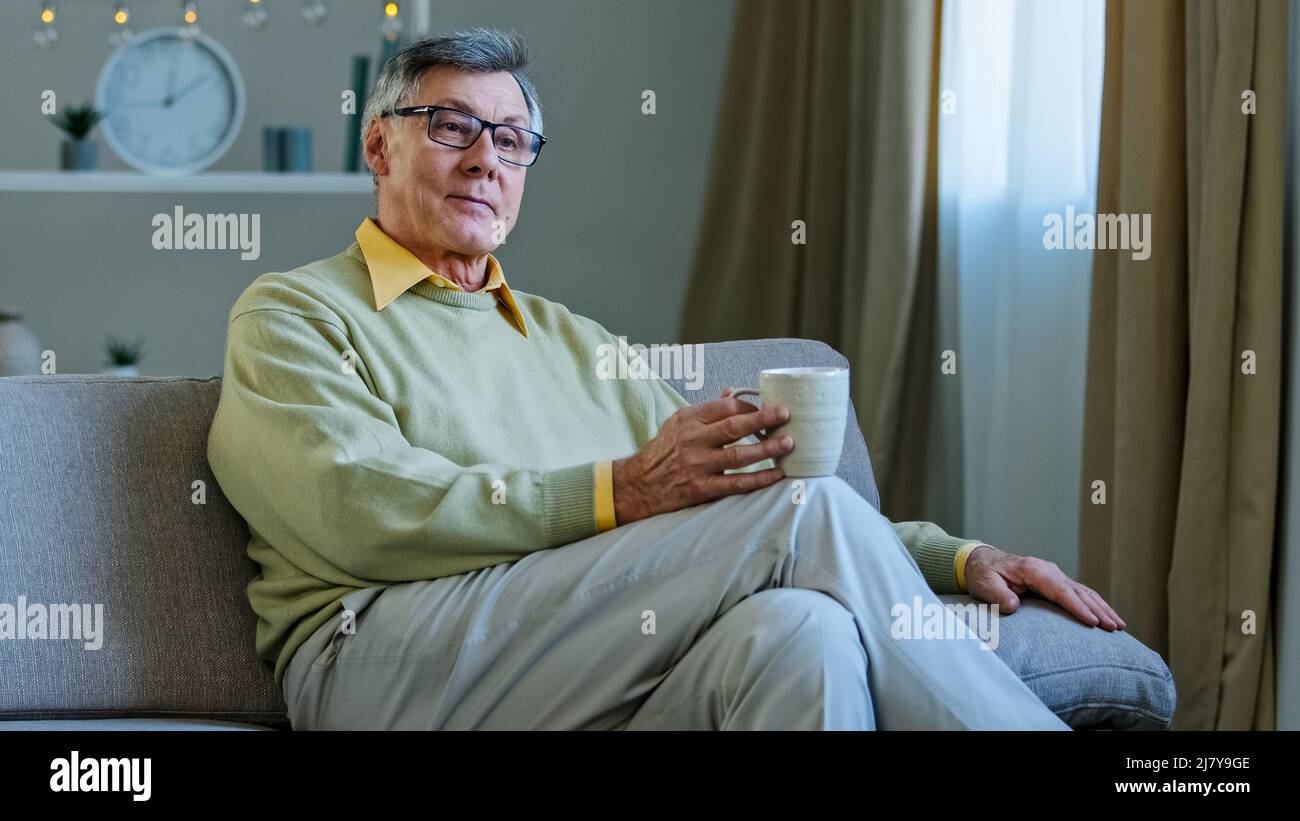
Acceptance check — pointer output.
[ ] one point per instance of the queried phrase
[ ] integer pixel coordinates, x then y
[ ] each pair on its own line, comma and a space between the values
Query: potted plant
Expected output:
78, 150
123, 357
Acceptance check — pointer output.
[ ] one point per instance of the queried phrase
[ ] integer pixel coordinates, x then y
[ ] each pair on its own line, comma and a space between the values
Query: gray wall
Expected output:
609, 221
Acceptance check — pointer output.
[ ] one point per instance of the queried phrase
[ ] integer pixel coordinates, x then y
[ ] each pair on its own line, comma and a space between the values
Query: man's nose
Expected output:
483, 153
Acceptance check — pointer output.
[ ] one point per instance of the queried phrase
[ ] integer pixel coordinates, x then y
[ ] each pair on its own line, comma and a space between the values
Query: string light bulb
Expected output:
120, 31
255, 14
314, 12
391, 28
190, 18
46, 34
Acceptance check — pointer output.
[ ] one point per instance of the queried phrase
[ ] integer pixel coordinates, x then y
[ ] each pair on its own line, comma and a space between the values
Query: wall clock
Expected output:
173, 101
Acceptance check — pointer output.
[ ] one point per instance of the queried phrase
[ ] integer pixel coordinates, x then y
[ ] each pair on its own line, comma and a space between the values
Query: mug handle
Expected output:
736, 392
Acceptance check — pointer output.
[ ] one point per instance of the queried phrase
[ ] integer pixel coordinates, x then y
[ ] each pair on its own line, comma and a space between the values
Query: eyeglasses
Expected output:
448, 126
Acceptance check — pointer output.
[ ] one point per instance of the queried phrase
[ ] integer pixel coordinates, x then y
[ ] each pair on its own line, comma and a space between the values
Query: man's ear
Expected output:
376, 149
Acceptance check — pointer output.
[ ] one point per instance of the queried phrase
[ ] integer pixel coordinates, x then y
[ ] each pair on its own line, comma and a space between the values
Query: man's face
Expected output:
426, 182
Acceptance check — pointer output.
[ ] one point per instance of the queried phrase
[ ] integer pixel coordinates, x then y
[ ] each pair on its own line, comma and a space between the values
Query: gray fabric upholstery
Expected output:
97, 476
1087, 676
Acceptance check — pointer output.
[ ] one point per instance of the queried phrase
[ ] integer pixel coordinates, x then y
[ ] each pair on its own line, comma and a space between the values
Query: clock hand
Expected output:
109, 112
171, 81
171, 100
167, 102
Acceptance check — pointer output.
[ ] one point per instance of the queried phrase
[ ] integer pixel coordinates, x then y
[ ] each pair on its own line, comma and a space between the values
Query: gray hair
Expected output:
484, 50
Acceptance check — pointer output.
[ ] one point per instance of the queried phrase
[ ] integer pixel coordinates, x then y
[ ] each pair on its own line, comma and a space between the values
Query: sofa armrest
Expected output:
1090, 678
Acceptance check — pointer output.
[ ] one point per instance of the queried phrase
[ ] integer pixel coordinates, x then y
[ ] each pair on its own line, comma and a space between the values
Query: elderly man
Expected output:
459, 525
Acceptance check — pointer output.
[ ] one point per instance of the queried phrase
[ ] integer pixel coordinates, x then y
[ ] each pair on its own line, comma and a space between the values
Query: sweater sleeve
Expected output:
317, 465
935, 553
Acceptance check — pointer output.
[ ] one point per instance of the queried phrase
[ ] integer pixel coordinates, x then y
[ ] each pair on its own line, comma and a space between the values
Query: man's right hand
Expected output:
683, 465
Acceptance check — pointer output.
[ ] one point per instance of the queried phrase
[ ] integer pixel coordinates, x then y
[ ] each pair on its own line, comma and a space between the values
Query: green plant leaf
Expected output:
78, 121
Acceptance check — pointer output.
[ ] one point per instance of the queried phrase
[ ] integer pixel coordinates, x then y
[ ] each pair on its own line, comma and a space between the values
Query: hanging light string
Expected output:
121, 30
391, 27
255, 16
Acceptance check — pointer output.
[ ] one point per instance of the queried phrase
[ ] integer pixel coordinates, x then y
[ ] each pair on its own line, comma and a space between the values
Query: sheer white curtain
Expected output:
1020, 106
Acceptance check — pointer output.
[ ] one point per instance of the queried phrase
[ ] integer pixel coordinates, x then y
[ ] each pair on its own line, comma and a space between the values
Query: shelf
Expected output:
217, 182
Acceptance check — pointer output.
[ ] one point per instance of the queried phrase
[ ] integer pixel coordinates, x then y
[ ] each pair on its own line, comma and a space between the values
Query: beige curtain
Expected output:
829, 118
1185, 442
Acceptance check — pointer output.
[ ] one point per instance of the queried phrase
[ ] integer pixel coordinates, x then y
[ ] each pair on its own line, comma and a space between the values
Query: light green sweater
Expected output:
366, 448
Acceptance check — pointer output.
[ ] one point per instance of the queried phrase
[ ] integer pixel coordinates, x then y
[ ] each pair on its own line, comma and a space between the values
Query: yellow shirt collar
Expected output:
393, 270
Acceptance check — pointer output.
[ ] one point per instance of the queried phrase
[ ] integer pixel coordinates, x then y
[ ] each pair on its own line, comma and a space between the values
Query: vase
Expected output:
78, 155
122, 370
360, 74
20, 351
295, 148
272, 149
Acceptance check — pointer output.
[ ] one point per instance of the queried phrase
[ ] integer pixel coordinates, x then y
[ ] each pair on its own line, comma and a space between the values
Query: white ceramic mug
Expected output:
818, 401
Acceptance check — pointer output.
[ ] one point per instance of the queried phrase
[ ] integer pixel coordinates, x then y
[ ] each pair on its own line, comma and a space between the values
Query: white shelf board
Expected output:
216, 182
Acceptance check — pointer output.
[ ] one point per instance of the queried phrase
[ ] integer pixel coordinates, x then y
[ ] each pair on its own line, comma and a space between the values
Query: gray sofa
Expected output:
99, 484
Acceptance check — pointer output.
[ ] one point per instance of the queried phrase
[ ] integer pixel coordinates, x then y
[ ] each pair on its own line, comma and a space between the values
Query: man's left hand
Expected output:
997, 577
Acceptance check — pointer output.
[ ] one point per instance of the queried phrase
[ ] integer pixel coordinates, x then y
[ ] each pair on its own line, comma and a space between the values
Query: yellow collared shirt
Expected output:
394, 269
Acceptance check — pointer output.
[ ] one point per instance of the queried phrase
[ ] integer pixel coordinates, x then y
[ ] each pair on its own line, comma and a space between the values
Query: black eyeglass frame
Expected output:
411, 111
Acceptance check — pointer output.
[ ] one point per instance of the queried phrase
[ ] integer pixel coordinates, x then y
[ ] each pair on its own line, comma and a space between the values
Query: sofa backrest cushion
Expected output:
108, 500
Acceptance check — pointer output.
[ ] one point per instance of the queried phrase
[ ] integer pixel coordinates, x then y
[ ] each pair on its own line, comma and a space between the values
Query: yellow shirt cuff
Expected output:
959, 562
605, 519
